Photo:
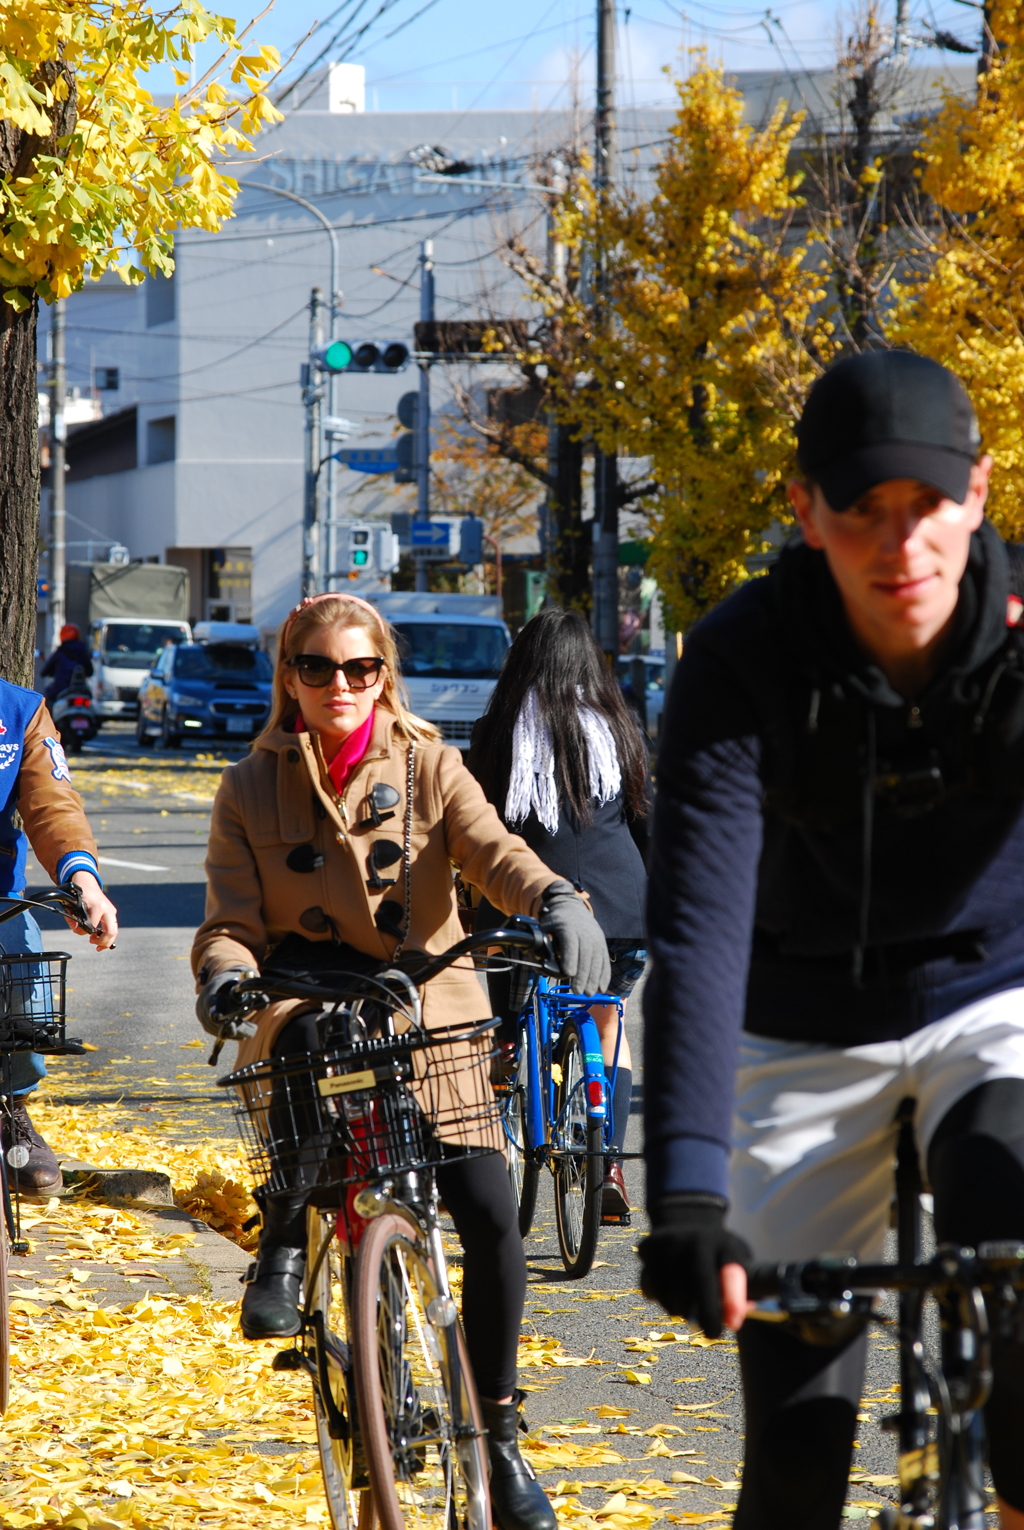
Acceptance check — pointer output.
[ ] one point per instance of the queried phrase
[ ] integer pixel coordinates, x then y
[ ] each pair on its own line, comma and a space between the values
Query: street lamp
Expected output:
310, 548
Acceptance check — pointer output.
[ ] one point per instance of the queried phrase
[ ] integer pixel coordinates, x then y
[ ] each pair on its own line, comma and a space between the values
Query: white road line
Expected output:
108, 860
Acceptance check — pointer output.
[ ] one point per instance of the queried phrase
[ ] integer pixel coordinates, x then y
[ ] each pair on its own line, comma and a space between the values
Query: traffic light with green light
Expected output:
362, 356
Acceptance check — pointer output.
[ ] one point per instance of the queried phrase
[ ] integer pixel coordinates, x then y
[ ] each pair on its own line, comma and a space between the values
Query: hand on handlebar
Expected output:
221, 1011
693, 1265
100, 922
578, 938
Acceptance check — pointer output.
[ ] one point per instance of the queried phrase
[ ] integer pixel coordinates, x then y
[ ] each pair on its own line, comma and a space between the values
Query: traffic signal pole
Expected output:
423, 407
312, 397
606, 477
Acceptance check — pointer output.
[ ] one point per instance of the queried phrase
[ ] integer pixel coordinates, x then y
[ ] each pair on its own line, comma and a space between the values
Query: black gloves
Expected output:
220, 1014
681, 1259
578, 939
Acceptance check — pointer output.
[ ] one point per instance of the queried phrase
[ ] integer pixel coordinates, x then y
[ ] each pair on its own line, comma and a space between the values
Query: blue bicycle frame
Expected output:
552, 1005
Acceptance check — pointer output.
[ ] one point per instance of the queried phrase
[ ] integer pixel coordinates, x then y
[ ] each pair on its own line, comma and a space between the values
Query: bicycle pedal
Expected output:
617, 1221
287, 1360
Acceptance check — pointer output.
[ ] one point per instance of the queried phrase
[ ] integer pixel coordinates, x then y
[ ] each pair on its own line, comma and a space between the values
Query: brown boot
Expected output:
614, 1200
38, 1172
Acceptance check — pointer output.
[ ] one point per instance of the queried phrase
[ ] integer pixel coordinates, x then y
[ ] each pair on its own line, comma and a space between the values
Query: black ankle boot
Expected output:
271, 1300
518, 1502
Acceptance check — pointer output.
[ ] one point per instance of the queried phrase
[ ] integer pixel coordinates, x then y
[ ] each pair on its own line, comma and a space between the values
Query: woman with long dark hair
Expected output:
561, 757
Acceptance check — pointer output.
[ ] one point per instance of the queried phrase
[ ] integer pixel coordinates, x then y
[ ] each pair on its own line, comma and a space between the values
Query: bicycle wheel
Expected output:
579, 1166
341, 1459
523, 1172
418, 1410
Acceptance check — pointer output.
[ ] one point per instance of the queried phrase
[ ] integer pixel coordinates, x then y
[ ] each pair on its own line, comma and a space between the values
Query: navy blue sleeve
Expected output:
706, 845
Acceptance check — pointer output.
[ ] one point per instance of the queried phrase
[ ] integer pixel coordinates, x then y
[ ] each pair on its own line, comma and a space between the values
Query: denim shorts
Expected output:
628, 962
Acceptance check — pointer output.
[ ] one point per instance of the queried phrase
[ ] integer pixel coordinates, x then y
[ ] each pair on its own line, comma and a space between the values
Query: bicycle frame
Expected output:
551, 1006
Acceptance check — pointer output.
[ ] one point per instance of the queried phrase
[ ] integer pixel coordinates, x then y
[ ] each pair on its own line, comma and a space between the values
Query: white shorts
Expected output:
814, 1138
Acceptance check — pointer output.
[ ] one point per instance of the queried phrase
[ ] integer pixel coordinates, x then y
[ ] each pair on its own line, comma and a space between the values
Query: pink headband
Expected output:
312, 600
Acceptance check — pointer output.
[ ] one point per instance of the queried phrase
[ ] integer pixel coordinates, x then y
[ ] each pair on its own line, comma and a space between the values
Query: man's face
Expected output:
897, 555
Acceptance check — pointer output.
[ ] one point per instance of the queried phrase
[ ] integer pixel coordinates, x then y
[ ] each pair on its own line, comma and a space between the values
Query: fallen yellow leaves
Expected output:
222, 1204
538, 1350
131, 1417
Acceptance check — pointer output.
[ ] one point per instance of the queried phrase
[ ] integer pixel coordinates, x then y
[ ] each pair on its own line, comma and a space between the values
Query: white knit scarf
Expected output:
532, 780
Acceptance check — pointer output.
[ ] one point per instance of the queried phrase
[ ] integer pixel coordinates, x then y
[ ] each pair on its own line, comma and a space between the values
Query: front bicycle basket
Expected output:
32, 998
363, 1112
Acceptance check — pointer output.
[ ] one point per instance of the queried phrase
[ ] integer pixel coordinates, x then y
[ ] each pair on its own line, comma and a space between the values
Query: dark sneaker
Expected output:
614, 1200
39, 1173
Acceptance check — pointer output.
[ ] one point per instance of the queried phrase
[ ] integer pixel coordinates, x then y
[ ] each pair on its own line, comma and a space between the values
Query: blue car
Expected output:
205, 690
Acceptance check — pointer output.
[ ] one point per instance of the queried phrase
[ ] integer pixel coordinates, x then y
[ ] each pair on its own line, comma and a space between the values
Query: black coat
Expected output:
604, 857
62, 664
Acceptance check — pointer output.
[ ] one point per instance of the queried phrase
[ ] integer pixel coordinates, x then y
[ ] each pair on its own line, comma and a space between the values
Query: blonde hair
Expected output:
345, 611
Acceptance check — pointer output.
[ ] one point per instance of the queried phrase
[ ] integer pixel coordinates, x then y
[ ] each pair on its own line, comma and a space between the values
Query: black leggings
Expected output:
478, 1196
802, 1398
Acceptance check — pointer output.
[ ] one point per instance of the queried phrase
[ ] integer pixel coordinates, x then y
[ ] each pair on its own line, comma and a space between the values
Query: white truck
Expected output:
452, 648
128, 613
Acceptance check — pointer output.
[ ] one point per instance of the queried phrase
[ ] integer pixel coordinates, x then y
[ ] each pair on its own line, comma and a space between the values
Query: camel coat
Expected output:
281, 796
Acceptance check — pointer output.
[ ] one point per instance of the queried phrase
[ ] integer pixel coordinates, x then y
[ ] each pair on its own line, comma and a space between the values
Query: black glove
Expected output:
219, 1013
688, 1245
578, 939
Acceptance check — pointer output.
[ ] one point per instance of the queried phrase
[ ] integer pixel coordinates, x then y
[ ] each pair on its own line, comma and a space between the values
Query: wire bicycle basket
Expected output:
368, 1110
33, 991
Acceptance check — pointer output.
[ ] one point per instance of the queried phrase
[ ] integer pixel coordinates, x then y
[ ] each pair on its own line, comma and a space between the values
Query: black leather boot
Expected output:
271, 1301
518, 1502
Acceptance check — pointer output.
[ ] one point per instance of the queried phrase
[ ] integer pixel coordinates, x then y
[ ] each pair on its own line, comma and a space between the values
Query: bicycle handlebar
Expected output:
800, 1287
67, 899
415, 967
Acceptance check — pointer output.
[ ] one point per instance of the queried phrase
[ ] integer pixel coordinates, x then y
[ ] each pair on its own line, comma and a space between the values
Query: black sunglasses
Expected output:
314, 670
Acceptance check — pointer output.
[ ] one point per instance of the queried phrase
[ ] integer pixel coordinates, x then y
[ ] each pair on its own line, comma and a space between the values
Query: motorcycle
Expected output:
73, 714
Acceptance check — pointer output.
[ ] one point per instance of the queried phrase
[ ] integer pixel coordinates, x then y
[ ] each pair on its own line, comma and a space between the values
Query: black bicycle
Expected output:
360, 1126
33, 986
978, 1292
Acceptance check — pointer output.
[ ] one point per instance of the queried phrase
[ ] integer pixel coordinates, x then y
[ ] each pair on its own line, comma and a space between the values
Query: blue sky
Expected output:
540, 52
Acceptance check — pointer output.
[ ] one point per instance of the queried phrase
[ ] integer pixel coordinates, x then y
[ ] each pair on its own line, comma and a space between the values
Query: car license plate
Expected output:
81, 724
239, 725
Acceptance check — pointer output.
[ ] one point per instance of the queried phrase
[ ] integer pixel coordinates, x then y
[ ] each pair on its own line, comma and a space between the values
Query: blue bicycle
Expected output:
557, 1113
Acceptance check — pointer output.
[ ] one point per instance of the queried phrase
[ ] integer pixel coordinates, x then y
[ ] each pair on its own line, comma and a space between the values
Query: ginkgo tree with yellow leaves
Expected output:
964, 304
715, 325
94, 176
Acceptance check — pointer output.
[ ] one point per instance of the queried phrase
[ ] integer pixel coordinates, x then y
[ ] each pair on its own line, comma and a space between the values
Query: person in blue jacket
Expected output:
39, 806
72, 654
836, 915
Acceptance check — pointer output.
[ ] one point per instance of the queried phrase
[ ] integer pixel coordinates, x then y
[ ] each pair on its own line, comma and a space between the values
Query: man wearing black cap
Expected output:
836, 914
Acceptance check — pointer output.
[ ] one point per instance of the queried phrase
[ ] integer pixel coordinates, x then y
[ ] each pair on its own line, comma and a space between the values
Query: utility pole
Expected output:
606, 478
312, 395
423, 407
58, 436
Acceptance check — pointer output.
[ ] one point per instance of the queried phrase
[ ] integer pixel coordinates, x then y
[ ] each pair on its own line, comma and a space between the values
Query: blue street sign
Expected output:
368, 459
428, 534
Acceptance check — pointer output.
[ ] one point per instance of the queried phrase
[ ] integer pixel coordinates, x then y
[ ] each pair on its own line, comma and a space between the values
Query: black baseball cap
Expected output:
887, 414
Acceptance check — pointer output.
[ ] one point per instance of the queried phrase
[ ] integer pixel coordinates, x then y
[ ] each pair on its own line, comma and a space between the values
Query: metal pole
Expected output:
312, 395
606, 481
57, 486
323, 557
423, 406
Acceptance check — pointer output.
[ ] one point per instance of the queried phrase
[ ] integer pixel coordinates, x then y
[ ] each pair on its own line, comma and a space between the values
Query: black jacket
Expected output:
829, 862
62, 664
604, 857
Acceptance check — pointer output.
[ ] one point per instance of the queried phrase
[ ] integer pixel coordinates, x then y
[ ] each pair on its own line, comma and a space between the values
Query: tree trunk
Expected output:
19, 412
19, 492
569, 557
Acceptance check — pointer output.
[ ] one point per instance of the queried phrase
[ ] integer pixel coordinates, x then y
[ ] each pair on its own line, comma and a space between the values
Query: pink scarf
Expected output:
350, 753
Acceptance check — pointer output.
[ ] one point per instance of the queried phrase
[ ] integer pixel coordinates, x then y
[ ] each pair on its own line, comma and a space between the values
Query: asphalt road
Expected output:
677, 1401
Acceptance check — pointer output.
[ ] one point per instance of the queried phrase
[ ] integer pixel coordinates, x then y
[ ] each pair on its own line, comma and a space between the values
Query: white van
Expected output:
124, 650
452, 648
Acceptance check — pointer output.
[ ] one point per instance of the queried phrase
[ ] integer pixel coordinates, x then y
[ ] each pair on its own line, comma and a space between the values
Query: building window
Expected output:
107, 379
160, 440
160, 305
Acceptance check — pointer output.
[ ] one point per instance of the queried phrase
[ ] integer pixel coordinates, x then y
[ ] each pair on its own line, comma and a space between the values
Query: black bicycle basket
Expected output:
32, 998
366, 1111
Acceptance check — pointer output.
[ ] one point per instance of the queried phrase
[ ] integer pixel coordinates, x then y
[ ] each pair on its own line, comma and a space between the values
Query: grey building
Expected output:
198, 457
